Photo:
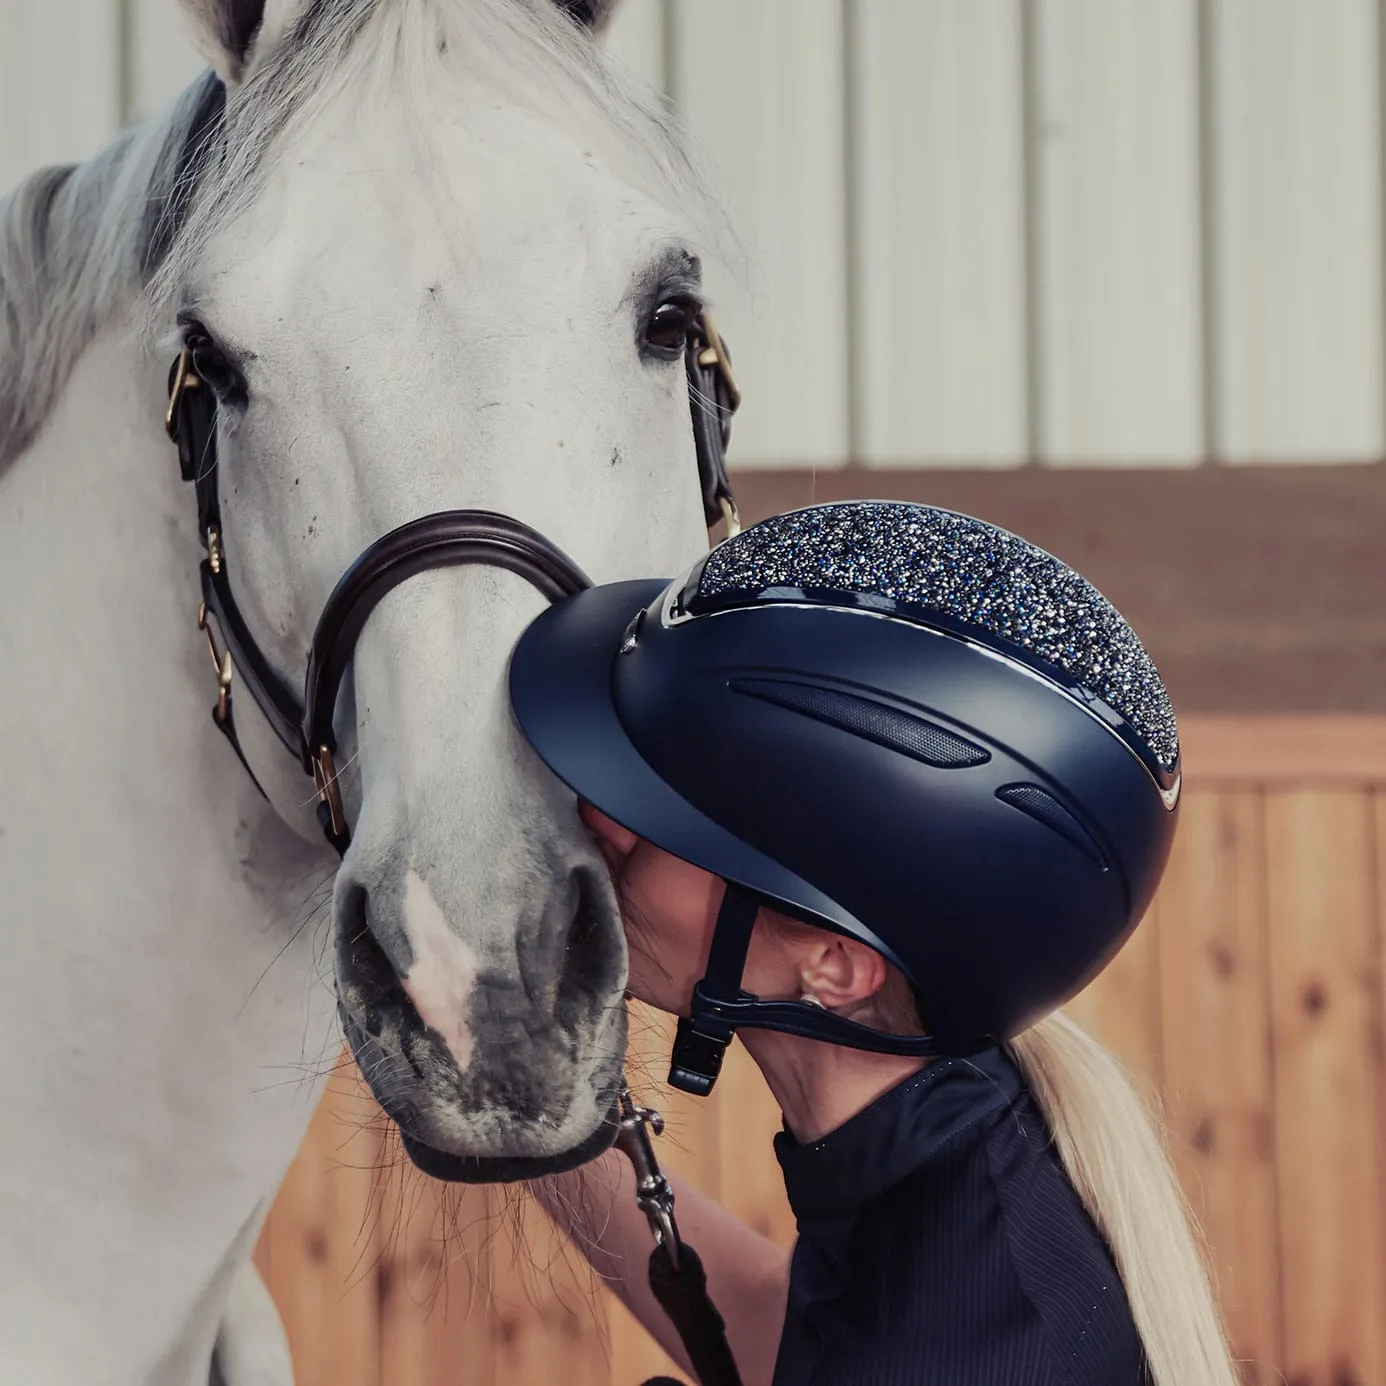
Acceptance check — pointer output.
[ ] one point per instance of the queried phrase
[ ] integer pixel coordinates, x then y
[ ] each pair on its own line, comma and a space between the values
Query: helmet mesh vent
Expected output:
1044, 808
886, 726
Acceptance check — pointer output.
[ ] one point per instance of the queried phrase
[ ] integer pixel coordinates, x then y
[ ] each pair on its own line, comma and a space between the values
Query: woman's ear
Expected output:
840, 972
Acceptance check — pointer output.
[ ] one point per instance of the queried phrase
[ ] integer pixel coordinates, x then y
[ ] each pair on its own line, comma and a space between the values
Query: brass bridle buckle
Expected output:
713, 356
185, 377
325, 782
710, 353
221, 663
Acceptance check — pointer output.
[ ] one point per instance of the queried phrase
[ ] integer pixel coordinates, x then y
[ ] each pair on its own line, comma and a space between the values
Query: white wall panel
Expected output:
637, 37
59, 82
761, 85
938, 190
1296, 131
162, 58
1118, 293
1061, 290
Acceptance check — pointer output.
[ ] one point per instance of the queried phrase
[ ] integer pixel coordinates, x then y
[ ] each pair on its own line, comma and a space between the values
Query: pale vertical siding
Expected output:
762, 87
1295, 134
638, 38
1119, 342
938, 232
162, 58
59, 82
979, 232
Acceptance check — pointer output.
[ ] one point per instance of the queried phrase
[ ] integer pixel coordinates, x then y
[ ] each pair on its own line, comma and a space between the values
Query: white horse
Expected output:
443, 254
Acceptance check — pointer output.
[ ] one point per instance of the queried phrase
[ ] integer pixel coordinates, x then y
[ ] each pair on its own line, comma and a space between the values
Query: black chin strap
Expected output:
721, 1007
703, 1037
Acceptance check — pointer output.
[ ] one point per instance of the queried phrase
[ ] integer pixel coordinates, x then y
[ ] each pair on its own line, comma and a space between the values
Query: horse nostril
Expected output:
586, 918
362, 962
592, 950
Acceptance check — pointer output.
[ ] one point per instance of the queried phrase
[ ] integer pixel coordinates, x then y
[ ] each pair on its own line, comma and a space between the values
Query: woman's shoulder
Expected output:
980, 1267
988, 1268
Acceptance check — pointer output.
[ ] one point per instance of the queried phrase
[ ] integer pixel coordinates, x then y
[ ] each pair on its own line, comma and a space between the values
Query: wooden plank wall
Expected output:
980, 232
1250, 1000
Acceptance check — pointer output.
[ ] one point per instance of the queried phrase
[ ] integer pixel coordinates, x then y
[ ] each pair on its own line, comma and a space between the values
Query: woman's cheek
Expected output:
670, 910
668, 955
663, 967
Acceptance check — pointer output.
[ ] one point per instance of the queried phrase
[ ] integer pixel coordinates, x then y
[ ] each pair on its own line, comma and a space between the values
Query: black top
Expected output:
942, 1244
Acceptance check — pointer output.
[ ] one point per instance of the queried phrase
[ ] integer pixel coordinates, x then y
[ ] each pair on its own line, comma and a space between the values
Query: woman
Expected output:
882, 786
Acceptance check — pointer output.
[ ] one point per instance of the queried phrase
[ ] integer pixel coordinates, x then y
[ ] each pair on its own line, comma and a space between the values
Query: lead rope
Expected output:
677, 1277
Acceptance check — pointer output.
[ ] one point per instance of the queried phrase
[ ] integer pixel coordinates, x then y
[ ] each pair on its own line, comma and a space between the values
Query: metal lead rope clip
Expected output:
653, 1194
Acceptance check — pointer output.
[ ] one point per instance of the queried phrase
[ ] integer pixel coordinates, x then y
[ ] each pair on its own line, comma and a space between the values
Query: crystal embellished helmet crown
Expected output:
890, 720
971, 577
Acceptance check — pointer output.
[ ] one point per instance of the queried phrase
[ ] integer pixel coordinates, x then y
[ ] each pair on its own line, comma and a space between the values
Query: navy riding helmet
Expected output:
888, 720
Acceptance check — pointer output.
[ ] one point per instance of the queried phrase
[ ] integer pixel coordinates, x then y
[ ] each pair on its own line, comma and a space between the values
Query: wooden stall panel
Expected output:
1215, 1000
319, 1253
1118, 358
760, 83
1294, 140
434, 1242
1122, 1007
544, 1304
936, 116
1328, 1100
59, 82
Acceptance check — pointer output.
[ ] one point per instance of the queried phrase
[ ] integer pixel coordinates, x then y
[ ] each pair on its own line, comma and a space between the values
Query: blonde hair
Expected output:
1116, 1158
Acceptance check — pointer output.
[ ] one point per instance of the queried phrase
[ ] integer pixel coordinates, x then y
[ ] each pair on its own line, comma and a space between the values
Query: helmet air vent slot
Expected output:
1044, 808
885, 725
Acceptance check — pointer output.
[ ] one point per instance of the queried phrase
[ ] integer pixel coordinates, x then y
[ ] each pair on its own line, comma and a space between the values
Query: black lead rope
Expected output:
677, 1278
683, 1295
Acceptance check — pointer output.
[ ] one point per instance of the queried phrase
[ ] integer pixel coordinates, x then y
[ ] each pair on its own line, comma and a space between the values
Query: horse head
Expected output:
443, 254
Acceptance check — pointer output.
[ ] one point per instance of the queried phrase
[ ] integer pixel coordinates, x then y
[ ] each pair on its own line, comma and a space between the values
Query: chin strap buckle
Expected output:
699, 1047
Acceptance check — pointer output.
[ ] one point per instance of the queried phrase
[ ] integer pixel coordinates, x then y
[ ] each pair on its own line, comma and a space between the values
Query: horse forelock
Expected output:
530, 51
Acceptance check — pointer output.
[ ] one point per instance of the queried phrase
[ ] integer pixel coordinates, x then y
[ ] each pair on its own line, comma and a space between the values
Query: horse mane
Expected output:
81, 243
75, 243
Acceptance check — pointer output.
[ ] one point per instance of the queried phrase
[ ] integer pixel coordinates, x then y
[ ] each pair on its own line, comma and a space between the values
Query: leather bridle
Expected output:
444, 539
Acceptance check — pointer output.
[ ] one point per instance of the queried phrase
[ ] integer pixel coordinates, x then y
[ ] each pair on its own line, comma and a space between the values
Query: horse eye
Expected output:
213, 366
670, 326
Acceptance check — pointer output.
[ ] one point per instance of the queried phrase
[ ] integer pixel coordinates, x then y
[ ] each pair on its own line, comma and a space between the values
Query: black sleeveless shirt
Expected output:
942, 1244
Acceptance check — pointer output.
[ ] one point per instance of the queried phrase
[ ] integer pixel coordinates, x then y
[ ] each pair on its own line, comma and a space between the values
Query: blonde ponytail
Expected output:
1117, 1161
